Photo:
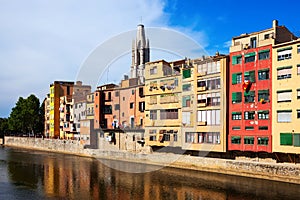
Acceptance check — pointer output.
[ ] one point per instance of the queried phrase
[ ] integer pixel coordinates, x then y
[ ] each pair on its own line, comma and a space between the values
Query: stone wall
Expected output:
285, 172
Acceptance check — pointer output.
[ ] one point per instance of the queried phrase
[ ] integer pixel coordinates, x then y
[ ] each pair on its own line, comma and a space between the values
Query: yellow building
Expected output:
209, 105
163, 103
286, 97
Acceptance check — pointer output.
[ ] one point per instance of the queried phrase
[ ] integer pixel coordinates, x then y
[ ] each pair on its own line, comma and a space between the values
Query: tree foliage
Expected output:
3, 126
27, 116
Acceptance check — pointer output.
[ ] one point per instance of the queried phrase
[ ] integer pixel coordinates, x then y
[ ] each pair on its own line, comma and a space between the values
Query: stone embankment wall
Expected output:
285, 172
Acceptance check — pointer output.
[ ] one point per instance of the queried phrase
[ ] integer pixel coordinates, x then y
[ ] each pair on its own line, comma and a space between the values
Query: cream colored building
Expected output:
208, 105
163, 87
286, 97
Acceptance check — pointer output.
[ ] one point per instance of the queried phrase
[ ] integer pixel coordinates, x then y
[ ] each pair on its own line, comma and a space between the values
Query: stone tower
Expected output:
140, 55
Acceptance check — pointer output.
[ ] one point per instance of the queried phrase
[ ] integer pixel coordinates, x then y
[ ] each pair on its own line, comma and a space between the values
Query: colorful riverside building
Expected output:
163, 85
250, 88
286, 100
208, 105
58, 90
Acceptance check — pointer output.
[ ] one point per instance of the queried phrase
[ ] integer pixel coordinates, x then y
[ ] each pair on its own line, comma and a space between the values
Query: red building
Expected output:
250, 89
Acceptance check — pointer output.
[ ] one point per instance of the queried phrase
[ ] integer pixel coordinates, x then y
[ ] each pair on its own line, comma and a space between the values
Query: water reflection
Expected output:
40, 175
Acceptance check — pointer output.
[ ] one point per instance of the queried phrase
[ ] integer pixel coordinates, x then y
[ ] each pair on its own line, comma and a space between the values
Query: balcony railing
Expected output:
201, 123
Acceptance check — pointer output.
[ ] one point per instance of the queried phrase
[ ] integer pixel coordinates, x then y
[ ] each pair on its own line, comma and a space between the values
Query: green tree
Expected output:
3, 126
26, 116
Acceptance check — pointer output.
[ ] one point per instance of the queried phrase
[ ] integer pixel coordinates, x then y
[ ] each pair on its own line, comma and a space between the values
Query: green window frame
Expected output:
235, 79
235, 139
264, 54
236, 59
186, 73
236, 97
263, 141
286, 139
249, 96
296, 139
248, 140
250, 75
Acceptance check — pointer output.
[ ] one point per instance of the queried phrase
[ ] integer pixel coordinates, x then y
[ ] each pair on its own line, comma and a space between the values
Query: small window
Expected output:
236, 116
236, 78
262, 128
123, 98
249, 128
263, 95
266, 36
236, 59
117, 93
236, 97
249, 96
249, 115
235, 128
286, 139
248, 140
298, 114
132, 92
250, 57
131, 105
235, 139
262, 140
153, 70
117, 106
298, 69
284, 72
284, 115
284, 54
298, 49
264, 54
298, 93
284, 96
186, 73
264, 74
250, 76
263, 114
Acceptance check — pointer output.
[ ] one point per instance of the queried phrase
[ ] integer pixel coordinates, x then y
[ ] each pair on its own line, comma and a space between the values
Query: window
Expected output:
142, 106
236, 78
298, 93
262, 140
249, 96
186, 73
153, 100
202, 98
284, 72
235, 128
263, 74
262, 128
266, 36
131, 105
132, 92
123, 114
152, 135
167, 70
264, 54
235, 139
284, 54
153, 70
153, 114
186, 87
107, 109
186, 118
250, 57
209, 137
117, 106
109, 96
201, 83
296, 140
248, 140
213, 84
236, 97
141, 92
186, 101
284, 115
284, 96
123, 98
236, 59
263, 95
249, 115
175, 136
298, 49
286, 139
250, 76
169, 114
213, 99
213, 67
211, 117
298, 114
202, 68
236, 115
253, 42
190, 137
117, 93
263, 114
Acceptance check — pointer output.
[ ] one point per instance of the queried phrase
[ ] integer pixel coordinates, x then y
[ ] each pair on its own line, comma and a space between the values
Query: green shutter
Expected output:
249, 54
252, 76
234, 59
283, 49
234, 78
186, 73
263, 111
284, 67
239, 96
297, 139
263, 51
286, 139
236, 113
250, 93
246, 73
264, 70
263, 91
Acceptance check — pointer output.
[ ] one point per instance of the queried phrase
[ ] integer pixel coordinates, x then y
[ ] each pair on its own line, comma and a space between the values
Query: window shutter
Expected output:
234, 78
252, 76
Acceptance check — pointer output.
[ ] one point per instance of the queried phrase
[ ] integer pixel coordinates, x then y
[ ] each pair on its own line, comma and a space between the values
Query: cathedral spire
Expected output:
140, 54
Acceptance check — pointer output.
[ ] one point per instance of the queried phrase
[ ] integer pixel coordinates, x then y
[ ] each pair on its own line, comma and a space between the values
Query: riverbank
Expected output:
285, 172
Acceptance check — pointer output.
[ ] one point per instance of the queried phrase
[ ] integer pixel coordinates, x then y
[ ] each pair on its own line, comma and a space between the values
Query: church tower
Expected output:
140, 55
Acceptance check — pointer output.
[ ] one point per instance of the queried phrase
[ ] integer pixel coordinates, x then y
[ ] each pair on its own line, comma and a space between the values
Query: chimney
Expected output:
275, 23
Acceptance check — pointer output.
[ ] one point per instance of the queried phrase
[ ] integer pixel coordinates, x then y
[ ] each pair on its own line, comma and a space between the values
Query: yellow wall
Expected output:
286, 84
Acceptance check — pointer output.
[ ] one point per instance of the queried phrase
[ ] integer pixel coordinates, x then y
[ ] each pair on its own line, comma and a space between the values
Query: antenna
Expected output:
141, 19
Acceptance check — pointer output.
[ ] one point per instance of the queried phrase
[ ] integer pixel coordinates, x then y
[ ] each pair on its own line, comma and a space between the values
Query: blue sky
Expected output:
43, 41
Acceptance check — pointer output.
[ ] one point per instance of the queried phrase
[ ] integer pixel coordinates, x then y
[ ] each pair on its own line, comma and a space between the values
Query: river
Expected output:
26, 174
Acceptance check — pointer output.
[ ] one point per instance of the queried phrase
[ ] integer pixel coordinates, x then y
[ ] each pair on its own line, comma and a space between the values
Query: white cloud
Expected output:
43, 41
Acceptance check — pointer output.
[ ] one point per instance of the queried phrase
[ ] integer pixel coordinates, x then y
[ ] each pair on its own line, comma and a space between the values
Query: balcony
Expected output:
202, 104
201, 89
201, 123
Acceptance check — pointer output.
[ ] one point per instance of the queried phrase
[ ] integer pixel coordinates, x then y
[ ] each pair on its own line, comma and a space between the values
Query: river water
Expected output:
26, 174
